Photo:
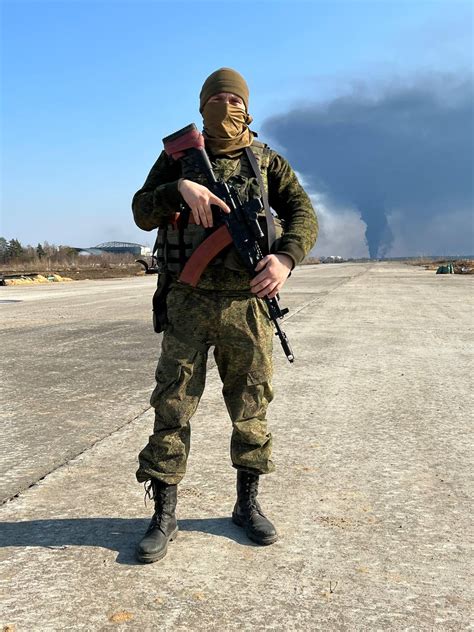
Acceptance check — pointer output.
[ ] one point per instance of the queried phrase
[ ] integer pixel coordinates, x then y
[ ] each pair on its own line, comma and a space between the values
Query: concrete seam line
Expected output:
324, 294
73, 458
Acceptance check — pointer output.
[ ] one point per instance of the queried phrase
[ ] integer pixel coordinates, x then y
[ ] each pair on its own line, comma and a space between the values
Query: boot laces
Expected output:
149, 493
154, 493
251, 490
160, 497
252, 493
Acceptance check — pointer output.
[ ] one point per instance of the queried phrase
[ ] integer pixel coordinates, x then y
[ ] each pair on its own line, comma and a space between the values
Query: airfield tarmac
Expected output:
372, 441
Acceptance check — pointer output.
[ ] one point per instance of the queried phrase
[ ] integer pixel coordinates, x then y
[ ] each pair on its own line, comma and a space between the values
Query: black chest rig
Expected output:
174, 246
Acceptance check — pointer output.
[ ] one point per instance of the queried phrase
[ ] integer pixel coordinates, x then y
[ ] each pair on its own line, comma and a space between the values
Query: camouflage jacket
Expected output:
159, 197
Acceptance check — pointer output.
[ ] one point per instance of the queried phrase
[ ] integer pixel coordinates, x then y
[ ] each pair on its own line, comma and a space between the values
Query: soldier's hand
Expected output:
274, 270
199, 199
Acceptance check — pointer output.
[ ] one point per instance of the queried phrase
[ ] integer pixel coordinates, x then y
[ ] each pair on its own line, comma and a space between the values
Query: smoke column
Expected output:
405, 152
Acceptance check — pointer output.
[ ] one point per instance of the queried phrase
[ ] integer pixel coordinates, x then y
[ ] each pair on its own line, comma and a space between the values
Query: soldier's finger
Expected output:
265, 291
261, 264
208, 211
260, 286
195, 213
259, 278
265, 274
213, 199
274, 292
203, 216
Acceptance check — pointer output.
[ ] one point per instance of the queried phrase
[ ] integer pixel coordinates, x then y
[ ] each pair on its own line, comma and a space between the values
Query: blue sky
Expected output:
90, 88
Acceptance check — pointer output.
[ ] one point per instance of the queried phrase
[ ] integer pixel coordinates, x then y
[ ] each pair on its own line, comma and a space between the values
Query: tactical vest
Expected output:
174, 249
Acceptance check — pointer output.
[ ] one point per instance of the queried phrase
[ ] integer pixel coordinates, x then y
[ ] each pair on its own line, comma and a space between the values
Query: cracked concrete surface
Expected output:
372, 447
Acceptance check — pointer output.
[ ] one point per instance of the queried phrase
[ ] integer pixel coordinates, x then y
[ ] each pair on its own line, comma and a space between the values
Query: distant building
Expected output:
332, 259
116, 247
120, 247
85, 252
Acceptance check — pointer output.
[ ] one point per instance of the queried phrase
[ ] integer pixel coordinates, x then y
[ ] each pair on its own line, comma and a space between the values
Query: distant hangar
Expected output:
116, 247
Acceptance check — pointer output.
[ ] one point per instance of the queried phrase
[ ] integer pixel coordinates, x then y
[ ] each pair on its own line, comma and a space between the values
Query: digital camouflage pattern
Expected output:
238, 328
220, 312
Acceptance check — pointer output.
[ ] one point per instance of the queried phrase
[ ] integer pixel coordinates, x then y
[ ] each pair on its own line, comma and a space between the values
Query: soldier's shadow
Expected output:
116, 534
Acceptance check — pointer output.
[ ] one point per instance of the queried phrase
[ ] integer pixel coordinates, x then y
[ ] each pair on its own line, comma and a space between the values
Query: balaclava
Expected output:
225, 126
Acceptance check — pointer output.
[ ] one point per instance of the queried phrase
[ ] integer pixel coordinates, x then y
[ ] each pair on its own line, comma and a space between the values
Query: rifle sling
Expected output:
271, 232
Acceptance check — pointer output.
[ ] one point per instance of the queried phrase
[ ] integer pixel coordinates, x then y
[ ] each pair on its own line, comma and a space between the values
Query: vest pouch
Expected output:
160, 315
170, 260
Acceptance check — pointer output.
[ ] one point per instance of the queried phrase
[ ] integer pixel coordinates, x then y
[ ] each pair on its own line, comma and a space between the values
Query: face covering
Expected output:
226, 128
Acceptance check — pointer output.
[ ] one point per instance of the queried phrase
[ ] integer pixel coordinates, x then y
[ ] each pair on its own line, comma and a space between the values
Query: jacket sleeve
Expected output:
292, 204
159, 196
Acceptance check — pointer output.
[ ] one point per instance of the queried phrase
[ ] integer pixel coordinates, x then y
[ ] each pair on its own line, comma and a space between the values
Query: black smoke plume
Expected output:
407, 150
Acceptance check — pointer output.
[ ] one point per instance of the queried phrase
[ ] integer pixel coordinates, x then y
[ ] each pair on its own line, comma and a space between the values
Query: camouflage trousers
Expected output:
238, 328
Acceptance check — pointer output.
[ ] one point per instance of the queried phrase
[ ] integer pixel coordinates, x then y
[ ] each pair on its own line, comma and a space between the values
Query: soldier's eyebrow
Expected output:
222, 97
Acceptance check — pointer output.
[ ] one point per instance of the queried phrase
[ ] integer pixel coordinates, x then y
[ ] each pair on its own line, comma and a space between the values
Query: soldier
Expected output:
225, 310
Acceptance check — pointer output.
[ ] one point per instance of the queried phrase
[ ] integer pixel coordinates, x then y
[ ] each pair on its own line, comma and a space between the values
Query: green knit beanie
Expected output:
224, 80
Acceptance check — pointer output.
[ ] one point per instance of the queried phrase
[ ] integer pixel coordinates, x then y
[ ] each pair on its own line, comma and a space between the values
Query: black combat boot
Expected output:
248, 513
163, 527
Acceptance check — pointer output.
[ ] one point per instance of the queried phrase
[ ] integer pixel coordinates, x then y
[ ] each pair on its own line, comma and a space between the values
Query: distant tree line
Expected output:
13, 252
45, 257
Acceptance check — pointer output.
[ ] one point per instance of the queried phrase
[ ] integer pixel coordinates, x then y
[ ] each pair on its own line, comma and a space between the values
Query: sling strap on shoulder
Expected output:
271, 232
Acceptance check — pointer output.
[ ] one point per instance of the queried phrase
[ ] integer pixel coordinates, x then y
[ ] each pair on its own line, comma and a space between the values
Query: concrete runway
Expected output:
372, 447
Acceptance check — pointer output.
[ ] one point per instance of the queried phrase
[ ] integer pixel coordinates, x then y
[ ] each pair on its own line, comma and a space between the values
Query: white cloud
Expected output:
341, 230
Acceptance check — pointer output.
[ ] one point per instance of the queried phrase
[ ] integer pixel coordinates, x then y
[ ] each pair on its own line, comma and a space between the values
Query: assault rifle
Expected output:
240, 226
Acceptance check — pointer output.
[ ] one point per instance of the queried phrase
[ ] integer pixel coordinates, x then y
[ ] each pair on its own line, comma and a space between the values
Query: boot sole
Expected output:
263, 541
148, 559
